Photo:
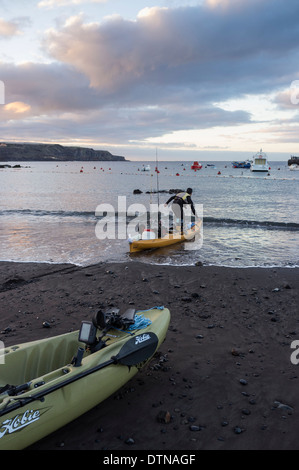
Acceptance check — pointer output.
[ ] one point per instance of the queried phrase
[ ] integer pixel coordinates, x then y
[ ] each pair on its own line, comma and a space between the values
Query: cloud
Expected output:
55, 100
239, 50
17, 107
47, 88
61, 3
124, 80
8, 28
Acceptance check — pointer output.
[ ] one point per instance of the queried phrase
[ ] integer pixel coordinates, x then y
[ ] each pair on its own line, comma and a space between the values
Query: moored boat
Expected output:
245, 164
48, 383
293, 160
167, 240
146, 168
294, 167
259, 162
196, 166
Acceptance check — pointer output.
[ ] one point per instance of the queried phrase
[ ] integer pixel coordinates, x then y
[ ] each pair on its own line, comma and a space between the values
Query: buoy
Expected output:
177, 174
219, 173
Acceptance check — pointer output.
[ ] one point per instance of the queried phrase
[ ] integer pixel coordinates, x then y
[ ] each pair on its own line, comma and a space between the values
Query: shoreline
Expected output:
227, 325
197, 263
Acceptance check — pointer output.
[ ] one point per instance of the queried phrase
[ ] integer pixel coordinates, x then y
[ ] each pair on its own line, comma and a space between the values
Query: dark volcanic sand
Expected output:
226, 325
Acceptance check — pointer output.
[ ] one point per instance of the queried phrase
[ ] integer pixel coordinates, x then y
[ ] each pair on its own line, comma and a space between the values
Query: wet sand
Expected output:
223, 378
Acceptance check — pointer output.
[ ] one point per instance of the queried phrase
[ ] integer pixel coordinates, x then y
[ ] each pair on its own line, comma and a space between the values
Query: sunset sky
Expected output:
198, 80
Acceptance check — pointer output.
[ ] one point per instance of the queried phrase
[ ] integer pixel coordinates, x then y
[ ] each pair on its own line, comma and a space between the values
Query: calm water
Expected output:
47, 212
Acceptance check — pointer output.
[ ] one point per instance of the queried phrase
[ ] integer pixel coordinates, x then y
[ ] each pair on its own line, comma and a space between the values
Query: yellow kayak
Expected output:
167, 240
48, 383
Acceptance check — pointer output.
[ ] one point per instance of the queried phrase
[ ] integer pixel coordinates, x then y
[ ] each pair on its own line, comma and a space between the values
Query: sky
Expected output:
193, 80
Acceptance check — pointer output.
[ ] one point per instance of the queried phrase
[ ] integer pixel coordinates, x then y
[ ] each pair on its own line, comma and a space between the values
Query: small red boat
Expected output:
196, 166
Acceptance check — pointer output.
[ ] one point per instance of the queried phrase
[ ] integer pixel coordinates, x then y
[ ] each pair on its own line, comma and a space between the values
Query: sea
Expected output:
53, 212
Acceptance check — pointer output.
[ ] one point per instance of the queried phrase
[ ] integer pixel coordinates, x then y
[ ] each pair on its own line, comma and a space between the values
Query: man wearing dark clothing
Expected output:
178, 202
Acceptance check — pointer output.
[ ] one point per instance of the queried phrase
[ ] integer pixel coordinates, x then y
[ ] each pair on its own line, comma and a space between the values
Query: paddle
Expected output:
134, 351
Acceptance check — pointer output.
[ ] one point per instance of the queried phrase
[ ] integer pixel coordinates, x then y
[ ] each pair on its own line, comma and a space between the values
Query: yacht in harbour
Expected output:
259, 162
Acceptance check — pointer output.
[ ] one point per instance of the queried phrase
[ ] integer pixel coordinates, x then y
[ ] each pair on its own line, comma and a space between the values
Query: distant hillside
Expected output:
52, 152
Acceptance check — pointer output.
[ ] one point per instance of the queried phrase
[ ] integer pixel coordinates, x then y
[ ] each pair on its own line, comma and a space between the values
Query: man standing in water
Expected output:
178, 202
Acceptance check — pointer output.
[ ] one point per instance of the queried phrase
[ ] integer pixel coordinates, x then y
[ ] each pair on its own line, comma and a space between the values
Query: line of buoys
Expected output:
192, 174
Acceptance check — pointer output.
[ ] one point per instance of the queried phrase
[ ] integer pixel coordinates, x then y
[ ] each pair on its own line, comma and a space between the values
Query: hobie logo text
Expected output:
141, 338
18, 422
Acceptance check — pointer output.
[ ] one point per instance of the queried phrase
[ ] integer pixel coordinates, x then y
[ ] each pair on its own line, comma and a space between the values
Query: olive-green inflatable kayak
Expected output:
46, 384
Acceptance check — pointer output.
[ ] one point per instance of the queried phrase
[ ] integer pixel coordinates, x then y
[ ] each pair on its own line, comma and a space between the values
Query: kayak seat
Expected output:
37, 359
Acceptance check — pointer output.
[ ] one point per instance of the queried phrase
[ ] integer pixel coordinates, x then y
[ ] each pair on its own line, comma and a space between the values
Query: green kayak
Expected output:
48, 383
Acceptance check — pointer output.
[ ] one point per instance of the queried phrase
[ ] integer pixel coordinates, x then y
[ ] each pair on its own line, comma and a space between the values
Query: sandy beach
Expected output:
223, 379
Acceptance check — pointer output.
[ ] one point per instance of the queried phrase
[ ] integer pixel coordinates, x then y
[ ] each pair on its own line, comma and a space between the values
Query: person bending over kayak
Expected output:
178, 202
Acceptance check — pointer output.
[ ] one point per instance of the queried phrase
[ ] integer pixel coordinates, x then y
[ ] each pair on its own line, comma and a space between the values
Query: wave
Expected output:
265, 224
45, 213
252, 223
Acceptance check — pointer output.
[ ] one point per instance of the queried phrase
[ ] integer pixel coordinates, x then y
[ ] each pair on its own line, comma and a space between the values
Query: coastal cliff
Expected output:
12, 152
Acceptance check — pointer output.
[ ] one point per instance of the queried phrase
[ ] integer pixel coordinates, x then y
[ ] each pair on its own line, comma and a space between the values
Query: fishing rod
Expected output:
159, 214
157, 171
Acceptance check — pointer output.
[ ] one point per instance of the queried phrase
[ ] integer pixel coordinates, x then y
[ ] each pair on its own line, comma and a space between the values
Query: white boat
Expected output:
146, 168
259, 162
294, 166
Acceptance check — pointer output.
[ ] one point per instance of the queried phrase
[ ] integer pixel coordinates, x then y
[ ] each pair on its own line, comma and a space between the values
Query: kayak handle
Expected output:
77, 360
